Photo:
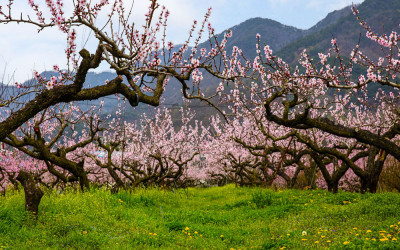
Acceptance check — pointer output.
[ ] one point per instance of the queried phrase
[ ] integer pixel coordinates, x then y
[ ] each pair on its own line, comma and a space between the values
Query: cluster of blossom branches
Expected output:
106, 151
324, 112
141, 57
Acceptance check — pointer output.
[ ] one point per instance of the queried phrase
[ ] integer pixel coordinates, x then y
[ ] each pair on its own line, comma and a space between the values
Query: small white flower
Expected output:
304, 233
49, 85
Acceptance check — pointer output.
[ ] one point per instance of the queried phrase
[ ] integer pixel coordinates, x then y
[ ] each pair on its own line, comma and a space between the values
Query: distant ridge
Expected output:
379, 14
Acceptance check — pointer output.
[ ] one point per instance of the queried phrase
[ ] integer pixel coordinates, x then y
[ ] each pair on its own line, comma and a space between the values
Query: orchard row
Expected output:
317, 122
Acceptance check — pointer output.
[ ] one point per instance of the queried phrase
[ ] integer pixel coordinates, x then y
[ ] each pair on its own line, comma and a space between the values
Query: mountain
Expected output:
332, 18
273, 33
381, 15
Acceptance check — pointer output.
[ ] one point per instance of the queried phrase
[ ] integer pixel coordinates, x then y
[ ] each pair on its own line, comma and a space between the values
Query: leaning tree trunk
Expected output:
82, 177
33, 193
369, 182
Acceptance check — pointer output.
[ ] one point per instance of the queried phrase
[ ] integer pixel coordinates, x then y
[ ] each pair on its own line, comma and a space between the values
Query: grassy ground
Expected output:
219, 218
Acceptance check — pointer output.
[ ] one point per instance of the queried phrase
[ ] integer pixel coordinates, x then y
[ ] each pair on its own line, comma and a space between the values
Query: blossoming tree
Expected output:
329, 98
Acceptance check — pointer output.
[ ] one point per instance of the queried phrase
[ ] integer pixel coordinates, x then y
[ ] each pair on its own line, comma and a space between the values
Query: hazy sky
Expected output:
22, 50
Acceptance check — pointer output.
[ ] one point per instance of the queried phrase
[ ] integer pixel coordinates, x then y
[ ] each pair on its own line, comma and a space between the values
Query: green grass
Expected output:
218, 217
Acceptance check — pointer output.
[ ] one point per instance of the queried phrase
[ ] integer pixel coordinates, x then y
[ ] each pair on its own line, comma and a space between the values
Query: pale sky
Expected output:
23, 50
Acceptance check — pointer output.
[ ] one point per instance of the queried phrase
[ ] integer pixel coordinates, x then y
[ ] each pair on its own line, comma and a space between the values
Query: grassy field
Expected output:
212, 218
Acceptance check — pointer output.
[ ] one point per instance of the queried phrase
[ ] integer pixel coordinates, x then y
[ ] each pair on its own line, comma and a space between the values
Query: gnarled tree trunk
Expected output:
33, 193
